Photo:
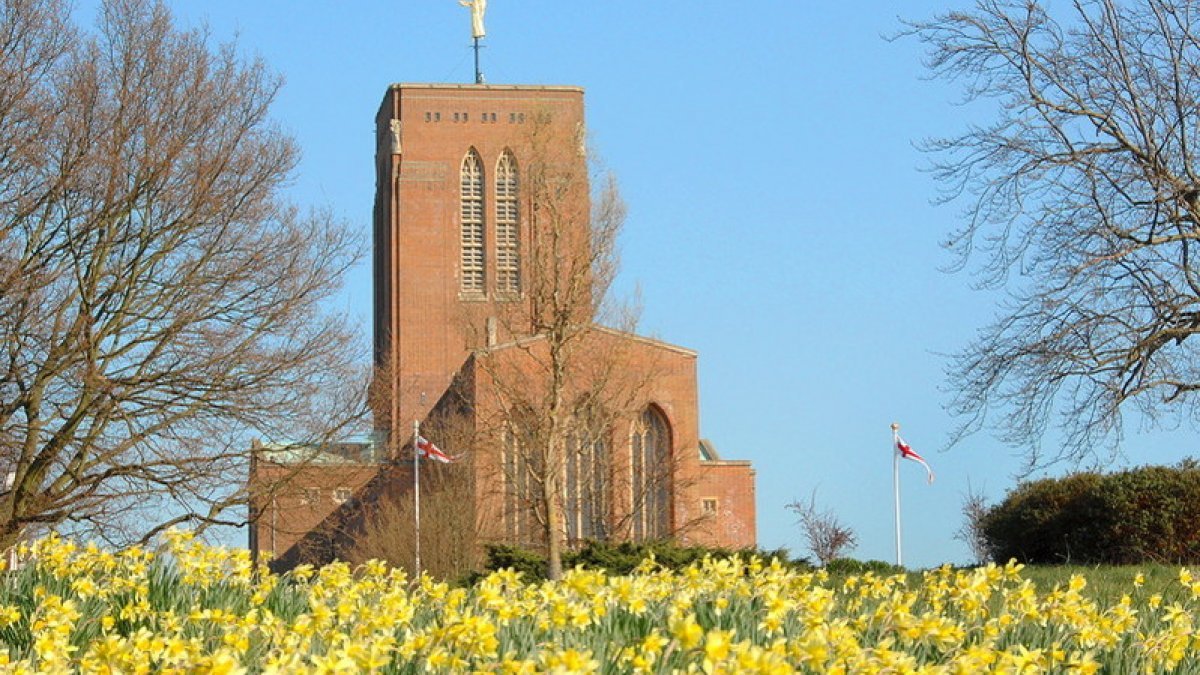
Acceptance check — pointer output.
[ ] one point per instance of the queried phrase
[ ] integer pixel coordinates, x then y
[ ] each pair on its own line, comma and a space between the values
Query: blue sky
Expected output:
779, 222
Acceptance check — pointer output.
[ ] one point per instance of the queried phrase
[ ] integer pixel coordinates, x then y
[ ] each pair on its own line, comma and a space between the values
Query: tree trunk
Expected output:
552, 491
554, 571
10, 536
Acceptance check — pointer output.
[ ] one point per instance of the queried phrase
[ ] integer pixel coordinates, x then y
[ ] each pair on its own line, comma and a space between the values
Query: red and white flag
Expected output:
428, 450
906, 452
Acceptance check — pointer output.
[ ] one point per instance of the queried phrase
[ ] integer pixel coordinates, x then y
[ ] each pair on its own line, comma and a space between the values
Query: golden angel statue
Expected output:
477, 9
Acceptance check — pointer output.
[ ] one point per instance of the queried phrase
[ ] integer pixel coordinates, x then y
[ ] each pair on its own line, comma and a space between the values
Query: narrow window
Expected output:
508, 264
522, 474
471, 229
650, 465
709, 507
586, 484
341, 495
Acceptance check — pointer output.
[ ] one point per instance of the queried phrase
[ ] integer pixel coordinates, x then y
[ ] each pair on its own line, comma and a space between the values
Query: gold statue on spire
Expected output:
477, 9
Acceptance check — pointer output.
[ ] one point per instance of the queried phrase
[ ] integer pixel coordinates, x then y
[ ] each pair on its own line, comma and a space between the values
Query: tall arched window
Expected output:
520, 476
586, 488
650, 464
508, 264
472, 234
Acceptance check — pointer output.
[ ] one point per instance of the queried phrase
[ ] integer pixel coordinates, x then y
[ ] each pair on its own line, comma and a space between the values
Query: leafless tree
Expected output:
449, 531
1085, 185
974, 508
559, 380
382, 523
827, 537
160, 302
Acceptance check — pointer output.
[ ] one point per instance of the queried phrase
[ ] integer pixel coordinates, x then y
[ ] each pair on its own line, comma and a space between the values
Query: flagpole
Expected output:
896, 487
478, 72
416, 499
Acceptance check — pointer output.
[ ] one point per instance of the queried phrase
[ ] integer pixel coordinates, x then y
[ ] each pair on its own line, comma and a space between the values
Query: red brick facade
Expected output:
663, 378
426, 286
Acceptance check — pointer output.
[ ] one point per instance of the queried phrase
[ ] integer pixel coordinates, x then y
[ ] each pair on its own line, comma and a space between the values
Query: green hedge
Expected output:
619, 558
853, 567
1149, 514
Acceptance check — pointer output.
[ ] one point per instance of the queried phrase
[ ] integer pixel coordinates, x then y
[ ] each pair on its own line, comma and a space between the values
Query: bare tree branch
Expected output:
974, 508
1082, 201
159, 301
827, 537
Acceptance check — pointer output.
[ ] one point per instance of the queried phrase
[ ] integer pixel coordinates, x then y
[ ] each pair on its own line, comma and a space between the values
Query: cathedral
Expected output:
484, 221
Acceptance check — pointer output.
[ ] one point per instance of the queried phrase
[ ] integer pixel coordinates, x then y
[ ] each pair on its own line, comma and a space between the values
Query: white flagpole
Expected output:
896, 488
416, 499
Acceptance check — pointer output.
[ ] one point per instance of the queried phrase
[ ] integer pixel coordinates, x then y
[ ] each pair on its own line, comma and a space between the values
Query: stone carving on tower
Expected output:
477, 9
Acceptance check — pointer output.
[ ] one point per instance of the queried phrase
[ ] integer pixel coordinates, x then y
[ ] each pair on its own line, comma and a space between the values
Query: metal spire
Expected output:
478, 7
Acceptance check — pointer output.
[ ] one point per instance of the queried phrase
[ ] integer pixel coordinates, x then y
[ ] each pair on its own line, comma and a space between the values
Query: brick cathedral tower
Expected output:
434, 251
451, 227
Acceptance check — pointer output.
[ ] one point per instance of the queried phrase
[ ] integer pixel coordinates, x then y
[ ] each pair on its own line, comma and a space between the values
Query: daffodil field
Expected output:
188, 607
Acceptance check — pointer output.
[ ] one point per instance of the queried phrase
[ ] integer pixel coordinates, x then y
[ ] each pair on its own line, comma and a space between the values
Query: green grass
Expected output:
1107, 583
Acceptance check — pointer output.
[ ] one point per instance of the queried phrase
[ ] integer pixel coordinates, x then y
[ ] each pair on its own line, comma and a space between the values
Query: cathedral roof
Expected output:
621, 334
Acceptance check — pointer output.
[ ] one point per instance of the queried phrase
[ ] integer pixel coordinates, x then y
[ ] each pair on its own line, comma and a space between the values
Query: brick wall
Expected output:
294, 500
724, 495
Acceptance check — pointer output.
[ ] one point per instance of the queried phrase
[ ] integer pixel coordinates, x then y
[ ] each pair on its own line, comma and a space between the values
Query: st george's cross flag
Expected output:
428, 450
906, 452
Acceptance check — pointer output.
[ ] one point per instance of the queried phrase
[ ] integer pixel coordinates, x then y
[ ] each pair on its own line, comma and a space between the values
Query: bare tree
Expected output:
159, 299
974, 508
382, 524
559, 380
449, 529
1086, 184
827, 537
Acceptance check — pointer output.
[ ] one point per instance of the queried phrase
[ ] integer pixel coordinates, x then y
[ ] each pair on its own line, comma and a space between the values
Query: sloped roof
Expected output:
710, 457
626, 335
362, 451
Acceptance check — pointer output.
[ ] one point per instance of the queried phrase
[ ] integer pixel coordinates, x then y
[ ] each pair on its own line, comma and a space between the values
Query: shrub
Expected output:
1051, 520
1148, 514
850, 567
827, 537
500, 556
618, 558
1156, 515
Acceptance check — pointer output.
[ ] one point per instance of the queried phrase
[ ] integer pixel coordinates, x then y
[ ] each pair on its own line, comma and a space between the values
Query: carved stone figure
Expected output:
477, 9
395, 137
